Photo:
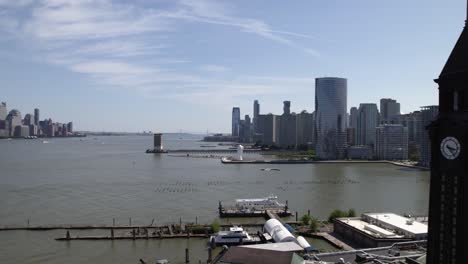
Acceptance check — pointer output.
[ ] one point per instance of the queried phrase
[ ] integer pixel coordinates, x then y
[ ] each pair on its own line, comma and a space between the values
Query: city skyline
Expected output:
237, 53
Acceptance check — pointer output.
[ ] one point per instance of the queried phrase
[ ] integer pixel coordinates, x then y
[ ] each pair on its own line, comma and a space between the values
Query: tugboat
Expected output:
235, 236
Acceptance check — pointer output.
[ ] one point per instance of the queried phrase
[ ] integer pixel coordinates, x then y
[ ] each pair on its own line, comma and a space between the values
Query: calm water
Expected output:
96, 179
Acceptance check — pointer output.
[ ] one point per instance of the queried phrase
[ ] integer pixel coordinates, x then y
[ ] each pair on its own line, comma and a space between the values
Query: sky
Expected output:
181, 65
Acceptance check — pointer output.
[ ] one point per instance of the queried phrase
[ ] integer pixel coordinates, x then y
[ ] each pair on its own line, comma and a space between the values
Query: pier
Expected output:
233, 211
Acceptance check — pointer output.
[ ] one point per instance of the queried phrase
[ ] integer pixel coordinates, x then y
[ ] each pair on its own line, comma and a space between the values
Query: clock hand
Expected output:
451, 149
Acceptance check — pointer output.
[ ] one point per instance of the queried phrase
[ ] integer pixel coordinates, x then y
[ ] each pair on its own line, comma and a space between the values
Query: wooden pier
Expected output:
233, 211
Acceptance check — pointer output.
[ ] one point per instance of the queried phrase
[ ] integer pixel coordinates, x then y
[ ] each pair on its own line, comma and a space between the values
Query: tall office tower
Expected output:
304, 129
28, 120
3, 111
286, 107
389, 108
428, 115
13, 121
70, 127
413, 122
353, 124
256, 112
235, 121
448, 200
330, 117
368, 120
391, 142
245, 130
36, 116
267, 129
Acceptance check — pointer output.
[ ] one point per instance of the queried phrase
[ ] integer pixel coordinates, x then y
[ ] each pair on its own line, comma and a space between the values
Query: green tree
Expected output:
215, 227
305, 219
337, 214
314, 224
351, 213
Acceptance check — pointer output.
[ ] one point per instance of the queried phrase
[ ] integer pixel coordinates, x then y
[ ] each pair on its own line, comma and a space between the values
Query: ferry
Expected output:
235, 236
259, 204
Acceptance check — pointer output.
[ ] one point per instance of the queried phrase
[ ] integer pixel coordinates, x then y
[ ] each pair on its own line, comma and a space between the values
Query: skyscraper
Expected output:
330, 117
389, 108
3, 111
368, 120
256, 112
267, 129
287, 107
428, 114
28, 120
353, 125
235, 121
391, 142
36, 116
448, 201
13, 121
304, 129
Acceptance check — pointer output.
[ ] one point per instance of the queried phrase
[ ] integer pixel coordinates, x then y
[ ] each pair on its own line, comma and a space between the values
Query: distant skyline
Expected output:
182, 65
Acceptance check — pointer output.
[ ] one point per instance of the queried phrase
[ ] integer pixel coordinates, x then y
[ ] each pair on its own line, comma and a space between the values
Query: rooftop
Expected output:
283, 247
399, 222
370, 229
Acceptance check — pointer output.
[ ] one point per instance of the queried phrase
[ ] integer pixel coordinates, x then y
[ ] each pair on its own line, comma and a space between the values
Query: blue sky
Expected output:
171, 65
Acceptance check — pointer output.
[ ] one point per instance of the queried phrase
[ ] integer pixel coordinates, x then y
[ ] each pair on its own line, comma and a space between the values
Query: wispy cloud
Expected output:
123, 44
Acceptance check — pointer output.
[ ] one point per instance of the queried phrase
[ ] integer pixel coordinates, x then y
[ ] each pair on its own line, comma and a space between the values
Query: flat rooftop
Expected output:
284, 247
398, 222
370, 229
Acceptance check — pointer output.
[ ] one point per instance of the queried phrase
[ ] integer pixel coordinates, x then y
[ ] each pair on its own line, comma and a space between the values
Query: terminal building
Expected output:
379, 229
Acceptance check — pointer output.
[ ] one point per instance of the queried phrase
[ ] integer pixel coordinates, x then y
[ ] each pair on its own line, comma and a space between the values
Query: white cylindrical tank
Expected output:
278, 232
240, 152
301, 241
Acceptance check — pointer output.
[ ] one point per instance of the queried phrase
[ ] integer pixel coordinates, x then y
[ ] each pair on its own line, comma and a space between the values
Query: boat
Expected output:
270, 169
259, 204
235, 236
45, 142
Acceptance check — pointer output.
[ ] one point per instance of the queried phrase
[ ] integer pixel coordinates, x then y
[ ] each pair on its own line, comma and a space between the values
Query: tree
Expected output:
351, 213
314, 224
336, 214
215, 227
305, 219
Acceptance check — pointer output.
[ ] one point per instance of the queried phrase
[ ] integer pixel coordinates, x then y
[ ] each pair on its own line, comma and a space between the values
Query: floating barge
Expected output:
259, 207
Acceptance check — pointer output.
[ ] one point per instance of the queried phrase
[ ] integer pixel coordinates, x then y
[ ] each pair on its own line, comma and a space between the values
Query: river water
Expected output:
96, 179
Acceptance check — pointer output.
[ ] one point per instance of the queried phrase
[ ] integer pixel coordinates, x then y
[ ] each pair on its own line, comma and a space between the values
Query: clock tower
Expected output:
448, 202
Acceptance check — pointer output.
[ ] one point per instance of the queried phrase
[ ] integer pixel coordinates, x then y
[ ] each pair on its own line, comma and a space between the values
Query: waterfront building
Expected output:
330, 117
304, 129
245, 130
256, 112
3, 111
413, 122
36, 116
70, 127
351, 136
286, 127
353, 122
235, 121
368, 120
428, 114
391, 142
33, 130
13, 120
389, 108
448, 201
28, 120
267, 129
360, 152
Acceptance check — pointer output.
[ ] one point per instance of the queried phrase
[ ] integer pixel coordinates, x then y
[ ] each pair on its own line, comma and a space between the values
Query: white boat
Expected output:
259, 204
235, 236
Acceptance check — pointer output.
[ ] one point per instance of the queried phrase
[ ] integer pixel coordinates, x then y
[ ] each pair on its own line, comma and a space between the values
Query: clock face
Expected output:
450, 148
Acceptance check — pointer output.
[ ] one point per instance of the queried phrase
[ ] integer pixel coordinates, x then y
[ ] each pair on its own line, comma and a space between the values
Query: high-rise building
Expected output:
304, 129
413, 122
256, 112
391, 142
428, 114
245, 130
235, 121
368, 120
70, 127
28, 120
330, 117
389, 108
286, 127
448, 201
3, 111
13, 120
286, 107
353, 124
36, 116
267, 129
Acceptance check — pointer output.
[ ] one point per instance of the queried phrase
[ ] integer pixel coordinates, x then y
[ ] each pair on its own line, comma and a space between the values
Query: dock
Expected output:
226, 211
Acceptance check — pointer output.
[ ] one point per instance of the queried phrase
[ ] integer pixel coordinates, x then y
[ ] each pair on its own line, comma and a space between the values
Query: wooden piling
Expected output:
308, 212
133, 233
112, 234
296, 217
187, 258
210, 257
129, 221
